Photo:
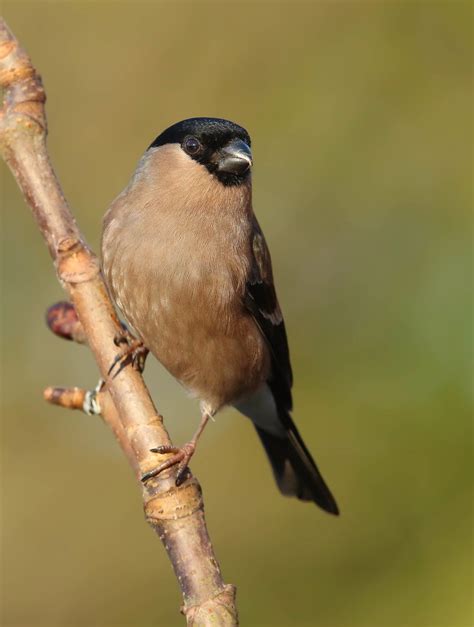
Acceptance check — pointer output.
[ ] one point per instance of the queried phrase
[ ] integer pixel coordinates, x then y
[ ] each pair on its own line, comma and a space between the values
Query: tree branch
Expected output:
175, 513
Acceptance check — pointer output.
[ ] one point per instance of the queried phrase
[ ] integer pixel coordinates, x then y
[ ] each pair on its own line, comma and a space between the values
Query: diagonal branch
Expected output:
176, 514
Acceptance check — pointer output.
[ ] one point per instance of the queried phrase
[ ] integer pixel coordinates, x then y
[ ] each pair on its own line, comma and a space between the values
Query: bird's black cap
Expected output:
215, 132
213, 135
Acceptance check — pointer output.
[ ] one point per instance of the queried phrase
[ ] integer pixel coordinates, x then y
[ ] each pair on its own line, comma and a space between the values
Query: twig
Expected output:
176, 514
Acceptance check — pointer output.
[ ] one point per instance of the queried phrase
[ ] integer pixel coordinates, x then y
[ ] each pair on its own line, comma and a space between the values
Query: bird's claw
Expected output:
180, 456
134, 353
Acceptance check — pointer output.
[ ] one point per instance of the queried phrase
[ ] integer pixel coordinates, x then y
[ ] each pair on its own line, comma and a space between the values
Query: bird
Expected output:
187, 264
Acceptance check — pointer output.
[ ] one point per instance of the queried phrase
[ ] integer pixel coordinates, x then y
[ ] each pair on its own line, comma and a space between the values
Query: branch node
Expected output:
179, 502
24, 92
216, 611
68, 244
75, 262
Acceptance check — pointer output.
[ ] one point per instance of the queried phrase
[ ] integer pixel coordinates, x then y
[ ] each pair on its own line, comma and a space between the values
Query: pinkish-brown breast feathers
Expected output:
176, 263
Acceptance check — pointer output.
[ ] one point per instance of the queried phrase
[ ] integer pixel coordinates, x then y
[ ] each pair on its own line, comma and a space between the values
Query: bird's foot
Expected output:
180, 456
134, 353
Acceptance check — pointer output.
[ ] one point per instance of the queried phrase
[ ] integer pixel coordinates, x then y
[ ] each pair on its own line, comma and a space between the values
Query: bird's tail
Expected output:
294, 469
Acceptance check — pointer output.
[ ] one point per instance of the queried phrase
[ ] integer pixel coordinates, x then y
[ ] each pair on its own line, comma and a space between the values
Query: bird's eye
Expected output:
192, 146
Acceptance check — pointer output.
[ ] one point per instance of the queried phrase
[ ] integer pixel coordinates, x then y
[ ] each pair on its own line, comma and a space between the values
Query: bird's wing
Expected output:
295, 470
261, 300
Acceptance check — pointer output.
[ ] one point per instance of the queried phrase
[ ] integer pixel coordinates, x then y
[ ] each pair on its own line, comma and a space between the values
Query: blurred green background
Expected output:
360, 115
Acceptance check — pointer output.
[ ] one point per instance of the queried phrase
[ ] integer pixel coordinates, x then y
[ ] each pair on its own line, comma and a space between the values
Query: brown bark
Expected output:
175, 513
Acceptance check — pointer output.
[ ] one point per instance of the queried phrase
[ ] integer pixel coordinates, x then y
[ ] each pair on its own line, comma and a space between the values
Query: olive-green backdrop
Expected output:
360, 115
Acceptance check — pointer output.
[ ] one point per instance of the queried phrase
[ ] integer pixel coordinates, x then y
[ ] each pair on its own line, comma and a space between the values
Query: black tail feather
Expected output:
295, 470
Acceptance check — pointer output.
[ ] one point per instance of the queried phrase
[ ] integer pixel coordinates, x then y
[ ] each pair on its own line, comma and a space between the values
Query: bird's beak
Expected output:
235, 158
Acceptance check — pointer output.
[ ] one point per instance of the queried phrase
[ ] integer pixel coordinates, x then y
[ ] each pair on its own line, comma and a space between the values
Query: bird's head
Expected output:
219, 145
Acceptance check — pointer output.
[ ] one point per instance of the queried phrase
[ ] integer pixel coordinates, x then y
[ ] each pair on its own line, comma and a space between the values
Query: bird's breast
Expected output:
181, 287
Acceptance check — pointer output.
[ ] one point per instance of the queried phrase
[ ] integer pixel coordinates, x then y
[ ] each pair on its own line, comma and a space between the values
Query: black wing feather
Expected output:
293, 466
261, 300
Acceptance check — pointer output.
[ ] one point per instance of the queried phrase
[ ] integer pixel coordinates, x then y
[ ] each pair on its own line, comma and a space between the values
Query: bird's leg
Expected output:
134, 353
181, 455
